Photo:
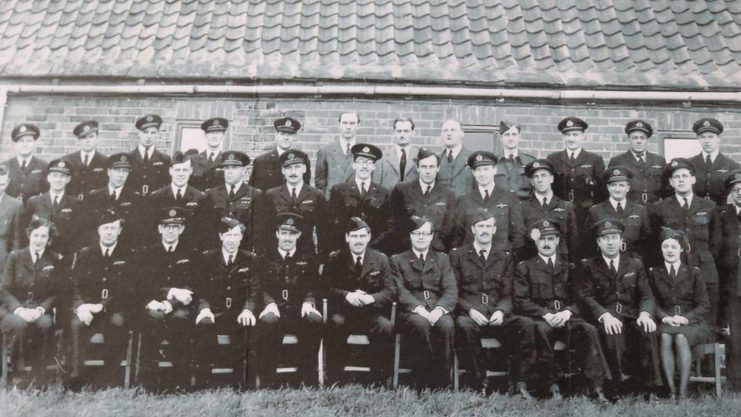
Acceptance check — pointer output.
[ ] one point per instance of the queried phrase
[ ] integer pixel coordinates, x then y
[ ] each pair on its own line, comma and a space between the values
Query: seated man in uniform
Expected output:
289, 284
228, 295
545, 292
427, 296
360, 290
615, 290
484, 278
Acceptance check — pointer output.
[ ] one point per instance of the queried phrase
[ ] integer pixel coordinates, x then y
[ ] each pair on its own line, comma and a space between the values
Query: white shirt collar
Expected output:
32, 252
614, 203
280, 150
344, 142
548, 197
423, 186
226, 255
489, 187
643, 155
117, 190
142, 149
576, 153
215, 153
738, 209
284, 253
546, 258
514, 154
478, 248
424, 254
88, 154
668, 266
456, 150
182, 189
712, 155
236, 186
681, 199
360, 183
52, 195
615, 259
111, 248
167, 246
354, 257
20, 160
298, 188
407, 149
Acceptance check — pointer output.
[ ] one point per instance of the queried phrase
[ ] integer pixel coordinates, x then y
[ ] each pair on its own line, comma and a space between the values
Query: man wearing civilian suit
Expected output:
334, 161
711, 166
10, 211
267, 171
648, 184
25, 171
88, 166
149, 165
512, 161
207, 172
454, 171
397, 165
578, 172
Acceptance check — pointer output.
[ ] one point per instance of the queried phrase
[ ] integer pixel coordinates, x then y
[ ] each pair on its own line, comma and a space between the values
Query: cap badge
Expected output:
289, 221
288, 123
706, 123
675, 163
738, 175
150, 118
85, 128
366, 149
23, 129
291, 155
173, 213
639, 124
123, 158
479, 157
546, 223
616, 172
569, 123
536, 164
608, 224
216, 123
61, 164
231, 157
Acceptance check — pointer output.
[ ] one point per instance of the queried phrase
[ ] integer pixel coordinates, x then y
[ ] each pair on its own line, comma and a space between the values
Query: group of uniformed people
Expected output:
630, 266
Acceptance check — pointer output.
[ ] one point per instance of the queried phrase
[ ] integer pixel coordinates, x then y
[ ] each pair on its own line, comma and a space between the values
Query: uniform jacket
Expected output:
333, 166
86, 178
28, 182
160, 270
112, 282
67, 218
206, 174
711, 179
129, 205
429, 285
505, 207
623, 295
456, 175
726, 238
346, 201
580, 182
11, 210
387, 168
289, 283
30, 285
267, 173
511, 175
154, 175
648, 184
485, 286
686, 295
637, 234
247, 206
223, 288
538, 291
559, 211
374, 277
191, 201
310, 204
407, 200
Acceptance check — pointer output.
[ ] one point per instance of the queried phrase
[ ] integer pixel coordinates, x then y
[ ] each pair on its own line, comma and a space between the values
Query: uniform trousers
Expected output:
634, 353
220, 346
166, 367
430, 348
113, 327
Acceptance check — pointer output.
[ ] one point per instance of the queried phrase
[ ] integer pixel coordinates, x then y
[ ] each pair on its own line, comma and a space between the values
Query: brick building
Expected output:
608, 61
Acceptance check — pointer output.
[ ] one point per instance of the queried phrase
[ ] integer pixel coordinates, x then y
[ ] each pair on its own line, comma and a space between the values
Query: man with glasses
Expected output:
711, 166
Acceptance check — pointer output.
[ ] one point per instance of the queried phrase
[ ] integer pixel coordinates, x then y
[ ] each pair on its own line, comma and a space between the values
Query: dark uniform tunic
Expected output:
226, 290
341, 276
636, 235
11, 210
26, 183
697, 224
559, 211
648, 184
579, 182
346, 201
147, 177
267, 171
191, 201
511, 175
128, 204
86, 178
246, 206
624, 295
67, 217
710, 178
407, 200
206, 174
310, 204
539, 290
429, 284
486, 286
684, 295
289, 284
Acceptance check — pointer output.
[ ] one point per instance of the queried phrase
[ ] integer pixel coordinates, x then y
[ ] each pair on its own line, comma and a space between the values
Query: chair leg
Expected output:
137, 360
456, 375
129, 354
718, 376
4, 358
320, 364
397, 354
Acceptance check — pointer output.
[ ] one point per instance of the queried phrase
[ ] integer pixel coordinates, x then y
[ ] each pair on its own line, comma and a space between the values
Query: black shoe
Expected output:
599, 396
521, 390
556, 392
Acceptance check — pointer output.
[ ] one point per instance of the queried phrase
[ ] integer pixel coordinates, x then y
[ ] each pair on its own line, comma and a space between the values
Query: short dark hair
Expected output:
37, 222
339, 119
403, 119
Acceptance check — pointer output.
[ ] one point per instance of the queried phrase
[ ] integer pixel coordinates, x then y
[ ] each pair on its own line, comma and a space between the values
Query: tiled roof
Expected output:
571, 43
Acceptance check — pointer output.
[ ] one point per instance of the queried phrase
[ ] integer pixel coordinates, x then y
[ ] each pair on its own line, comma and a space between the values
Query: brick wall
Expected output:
251, 120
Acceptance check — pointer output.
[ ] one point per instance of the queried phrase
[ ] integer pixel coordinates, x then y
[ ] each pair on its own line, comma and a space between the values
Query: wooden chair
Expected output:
487, 343
701, 351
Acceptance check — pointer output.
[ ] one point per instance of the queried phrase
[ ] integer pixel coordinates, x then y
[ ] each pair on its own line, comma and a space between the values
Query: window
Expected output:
189, 136
678, 144
481, 138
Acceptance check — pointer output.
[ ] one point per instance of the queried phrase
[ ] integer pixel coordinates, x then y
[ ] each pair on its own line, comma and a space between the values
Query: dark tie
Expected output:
211, 158
421, 259
55, 202
347, 149
170, 249
36, 257
511, 158
550, 265
545, 202
482, 256
450, 156
672, 272
640, 159
619, 209
108, 253
231, 260
293, 194
231, 191
427, 191
179, 195
23, 165
486, 195
686, 205
358, 264
572, 158
113, 196
362, 189
708, 161
612, 267
146, 155
402, 164
85, 160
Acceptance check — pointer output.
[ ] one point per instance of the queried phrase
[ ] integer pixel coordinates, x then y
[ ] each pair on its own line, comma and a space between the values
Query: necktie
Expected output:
55, 202
619, 208
427, 191
482, 255
179, 195
486, 195
85, 159
421, 259
402, 164
612, 267
36, 257
640, 159
108, 253
23, 165
231, 260
347, 149
113, 196
686, 205
450, 156
550, 265
672, 272
211, 157
708, 161
572, 157
170, 249
545, 202
363, 189
511, 158
358, 264
293, 193
146, 155
231, 191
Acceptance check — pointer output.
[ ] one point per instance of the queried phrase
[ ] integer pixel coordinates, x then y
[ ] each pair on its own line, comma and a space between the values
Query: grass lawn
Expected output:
346, 401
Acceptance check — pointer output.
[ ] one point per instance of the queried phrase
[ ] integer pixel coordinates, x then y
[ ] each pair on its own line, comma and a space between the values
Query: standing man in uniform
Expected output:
648, 184
454, 171
545, 291
297, 196
421, 197
289, 284
267, 171
207, 172
236, 200
396, 166
427, 294
11, 209
711, 166
511, 173
149, 165
578, 171
25, 170
334, 161
88, 166
615, 290
360, 289
485, 307
360, 197
502, 203
696, 217
544, 204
